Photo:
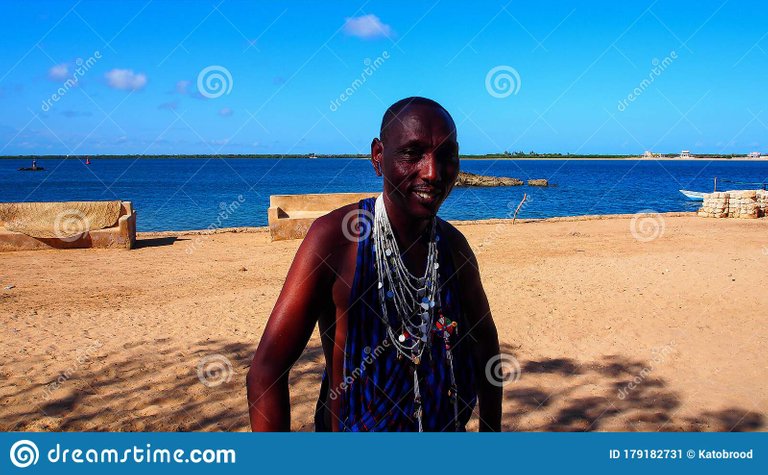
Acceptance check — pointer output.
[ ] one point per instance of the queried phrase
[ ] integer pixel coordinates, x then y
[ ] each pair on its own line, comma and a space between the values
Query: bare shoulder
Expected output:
330, 232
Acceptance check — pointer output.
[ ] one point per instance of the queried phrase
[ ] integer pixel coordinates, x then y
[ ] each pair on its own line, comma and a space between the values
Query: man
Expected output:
400, 356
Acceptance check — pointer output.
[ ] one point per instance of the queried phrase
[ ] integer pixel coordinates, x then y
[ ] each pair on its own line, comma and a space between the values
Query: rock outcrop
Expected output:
538, 182
470, 179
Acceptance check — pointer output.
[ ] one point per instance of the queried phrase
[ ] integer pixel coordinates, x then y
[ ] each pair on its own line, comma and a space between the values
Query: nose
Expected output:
430, 170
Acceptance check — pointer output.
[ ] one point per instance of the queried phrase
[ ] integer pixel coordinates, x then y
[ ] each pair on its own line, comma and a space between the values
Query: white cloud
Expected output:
366, 26
58, 72
126, 79
226, 112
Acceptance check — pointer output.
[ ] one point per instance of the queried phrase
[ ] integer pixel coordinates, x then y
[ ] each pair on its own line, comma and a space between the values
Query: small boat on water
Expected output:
693, 195
33, 168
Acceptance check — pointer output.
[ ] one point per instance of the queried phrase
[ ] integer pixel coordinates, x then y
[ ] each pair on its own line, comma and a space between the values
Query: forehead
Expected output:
423, 123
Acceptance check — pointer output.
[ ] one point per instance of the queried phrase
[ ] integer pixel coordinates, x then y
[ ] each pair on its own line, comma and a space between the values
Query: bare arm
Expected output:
306, 291
482, 335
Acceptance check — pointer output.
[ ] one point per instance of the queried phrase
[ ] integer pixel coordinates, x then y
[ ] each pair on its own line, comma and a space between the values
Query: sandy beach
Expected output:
613, 330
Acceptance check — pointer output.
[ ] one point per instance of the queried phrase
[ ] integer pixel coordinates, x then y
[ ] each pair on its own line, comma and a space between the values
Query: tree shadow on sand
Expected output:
159, 386
615, 393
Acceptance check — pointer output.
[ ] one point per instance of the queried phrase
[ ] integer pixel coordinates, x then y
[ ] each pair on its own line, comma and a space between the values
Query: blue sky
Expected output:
696, 73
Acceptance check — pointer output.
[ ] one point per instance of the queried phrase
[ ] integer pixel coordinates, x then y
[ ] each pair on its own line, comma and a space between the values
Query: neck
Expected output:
407, 228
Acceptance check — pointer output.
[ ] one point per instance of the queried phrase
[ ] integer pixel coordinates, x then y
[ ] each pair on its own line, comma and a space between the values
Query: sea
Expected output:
199, 193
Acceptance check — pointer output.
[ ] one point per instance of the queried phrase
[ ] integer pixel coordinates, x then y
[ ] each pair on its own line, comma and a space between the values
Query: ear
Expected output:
377, 154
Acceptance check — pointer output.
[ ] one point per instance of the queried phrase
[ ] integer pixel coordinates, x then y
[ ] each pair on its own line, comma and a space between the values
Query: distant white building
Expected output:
648, 154
685, 154
754, 155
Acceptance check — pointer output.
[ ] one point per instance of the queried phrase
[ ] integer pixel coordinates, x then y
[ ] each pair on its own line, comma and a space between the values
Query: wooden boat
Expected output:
30, 169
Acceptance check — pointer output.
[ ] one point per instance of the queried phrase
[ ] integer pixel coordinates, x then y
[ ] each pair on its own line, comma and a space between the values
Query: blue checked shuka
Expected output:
378, 391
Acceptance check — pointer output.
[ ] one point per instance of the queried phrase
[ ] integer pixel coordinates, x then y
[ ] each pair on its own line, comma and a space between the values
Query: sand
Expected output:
611, 332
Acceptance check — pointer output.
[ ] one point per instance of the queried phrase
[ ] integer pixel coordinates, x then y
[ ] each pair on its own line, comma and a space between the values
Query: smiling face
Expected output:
418, 155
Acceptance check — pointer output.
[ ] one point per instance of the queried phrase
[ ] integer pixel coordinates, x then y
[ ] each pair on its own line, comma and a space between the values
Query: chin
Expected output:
423, 208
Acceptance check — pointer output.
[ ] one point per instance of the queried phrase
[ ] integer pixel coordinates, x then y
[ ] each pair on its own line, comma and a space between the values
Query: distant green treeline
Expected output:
504, 155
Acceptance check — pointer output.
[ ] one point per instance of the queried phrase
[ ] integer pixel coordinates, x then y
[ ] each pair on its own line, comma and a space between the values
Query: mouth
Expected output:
427, 195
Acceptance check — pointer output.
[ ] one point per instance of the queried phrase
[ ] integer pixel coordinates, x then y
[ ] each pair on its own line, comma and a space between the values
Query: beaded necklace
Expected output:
416, 301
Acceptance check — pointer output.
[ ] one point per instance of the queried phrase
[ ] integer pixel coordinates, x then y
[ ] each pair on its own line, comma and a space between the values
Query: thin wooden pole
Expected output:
525, 196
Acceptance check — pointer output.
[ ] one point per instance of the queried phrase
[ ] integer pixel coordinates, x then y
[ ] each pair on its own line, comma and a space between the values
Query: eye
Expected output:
412, 153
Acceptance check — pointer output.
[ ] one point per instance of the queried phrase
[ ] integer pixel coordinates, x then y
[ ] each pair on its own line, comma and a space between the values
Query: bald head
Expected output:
418, 155
394, 116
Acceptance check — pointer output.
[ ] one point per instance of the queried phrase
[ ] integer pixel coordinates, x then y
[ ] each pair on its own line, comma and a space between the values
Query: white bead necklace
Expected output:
415, 300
